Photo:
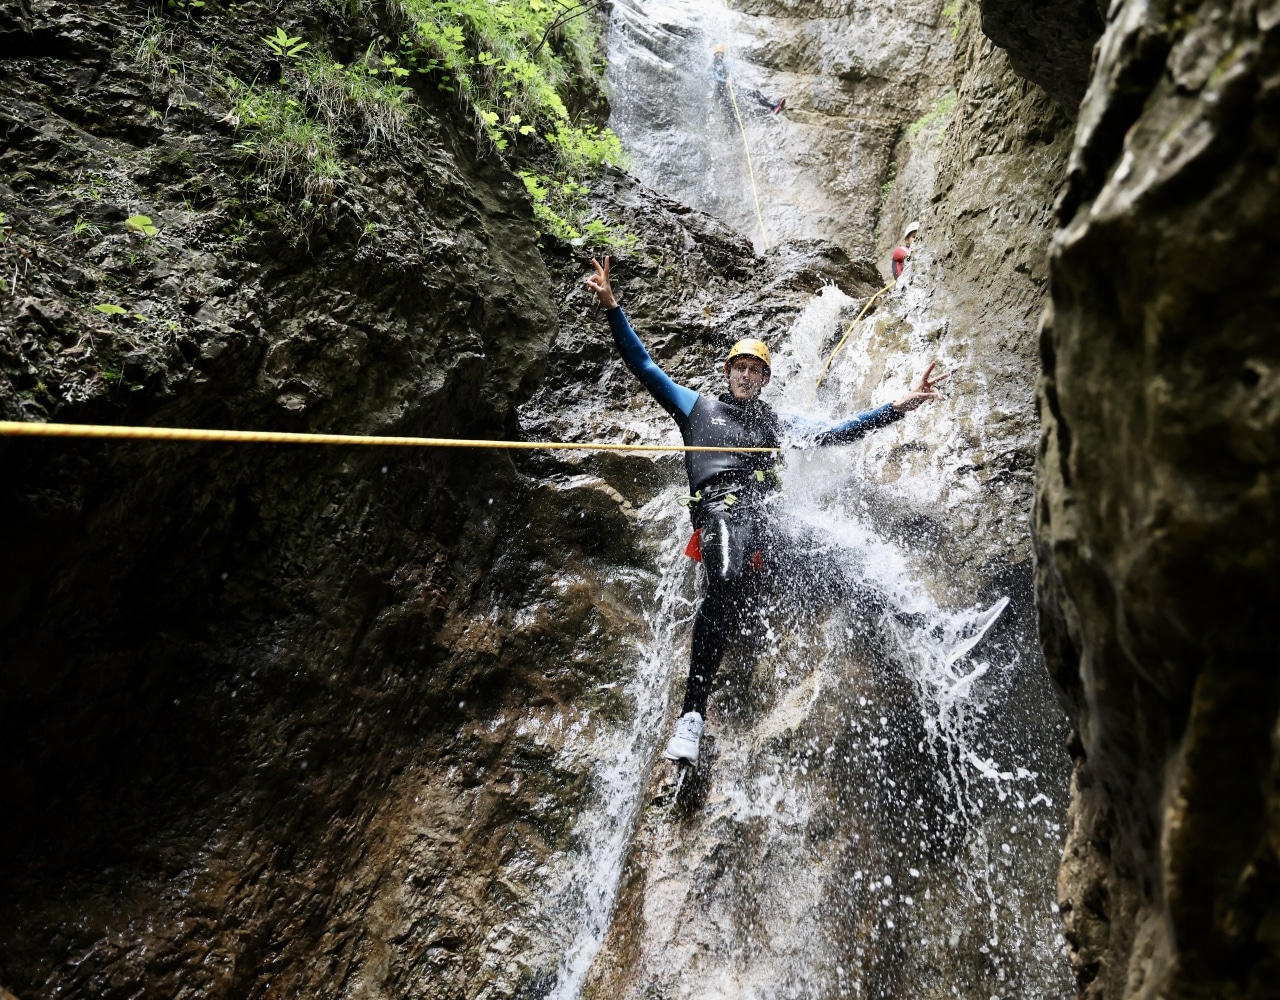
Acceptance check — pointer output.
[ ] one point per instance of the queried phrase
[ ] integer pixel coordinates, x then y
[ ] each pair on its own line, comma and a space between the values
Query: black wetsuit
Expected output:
731, 490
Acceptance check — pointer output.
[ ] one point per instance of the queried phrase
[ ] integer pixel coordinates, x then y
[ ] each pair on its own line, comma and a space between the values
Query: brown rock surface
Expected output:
292, 722
1157, 512
1048, 43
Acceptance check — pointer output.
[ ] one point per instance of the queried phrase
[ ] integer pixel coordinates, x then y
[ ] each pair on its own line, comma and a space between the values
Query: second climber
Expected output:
901, 253
725, 90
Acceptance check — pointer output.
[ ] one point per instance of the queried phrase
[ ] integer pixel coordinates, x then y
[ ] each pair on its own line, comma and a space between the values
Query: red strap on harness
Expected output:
694, 551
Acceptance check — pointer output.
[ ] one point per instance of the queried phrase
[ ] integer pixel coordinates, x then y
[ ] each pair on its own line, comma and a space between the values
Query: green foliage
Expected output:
369, 92
484, 50
154, 44
562, 210
487, 52
890, 177
140, 224
286, 141
84, 228
940, 113
952, 11
284, 46
110, 309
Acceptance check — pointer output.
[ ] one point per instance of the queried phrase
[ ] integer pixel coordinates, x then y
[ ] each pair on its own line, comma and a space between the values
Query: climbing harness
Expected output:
20, 428
751, 170
847, 331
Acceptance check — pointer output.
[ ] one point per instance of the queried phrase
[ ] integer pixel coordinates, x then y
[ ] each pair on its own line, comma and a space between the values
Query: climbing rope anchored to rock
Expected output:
847, 331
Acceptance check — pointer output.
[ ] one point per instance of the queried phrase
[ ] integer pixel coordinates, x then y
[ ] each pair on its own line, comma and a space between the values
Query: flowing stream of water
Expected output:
627, 754
684, 138
958, 753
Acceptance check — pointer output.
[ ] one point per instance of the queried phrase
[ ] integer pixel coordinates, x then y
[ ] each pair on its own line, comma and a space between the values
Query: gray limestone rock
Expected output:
1157, 506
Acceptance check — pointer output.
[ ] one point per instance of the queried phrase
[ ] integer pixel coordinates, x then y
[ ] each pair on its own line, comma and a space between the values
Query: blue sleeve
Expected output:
812, 433
674, 398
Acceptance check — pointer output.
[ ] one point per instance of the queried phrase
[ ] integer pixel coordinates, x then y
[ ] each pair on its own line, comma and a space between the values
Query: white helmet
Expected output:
914, 227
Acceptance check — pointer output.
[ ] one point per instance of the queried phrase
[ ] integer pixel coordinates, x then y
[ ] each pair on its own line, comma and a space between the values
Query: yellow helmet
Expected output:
751, 348
719, 49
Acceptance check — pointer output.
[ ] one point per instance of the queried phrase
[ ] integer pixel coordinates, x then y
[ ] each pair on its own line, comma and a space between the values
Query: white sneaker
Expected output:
684, 744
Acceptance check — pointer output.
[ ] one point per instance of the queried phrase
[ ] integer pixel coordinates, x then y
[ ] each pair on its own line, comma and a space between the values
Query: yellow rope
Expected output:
848, 330
751, 170
18, 428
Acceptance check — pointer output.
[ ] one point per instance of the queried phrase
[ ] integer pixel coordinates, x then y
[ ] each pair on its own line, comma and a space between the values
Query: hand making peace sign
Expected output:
599, 283
923, 392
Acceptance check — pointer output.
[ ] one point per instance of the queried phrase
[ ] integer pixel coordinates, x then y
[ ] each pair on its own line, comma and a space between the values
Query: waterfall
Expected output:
935, 774
681, 138
589, 888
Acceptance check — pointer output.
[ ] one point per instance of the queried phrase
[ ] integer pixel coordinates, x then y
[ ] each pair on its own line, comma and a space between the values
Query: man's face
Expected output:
747, 376
911, 238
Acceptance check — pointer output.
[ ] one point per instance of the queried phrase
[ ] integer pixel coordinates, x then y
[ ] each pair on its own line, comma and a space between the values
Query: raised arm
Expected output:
813, 433
676, 399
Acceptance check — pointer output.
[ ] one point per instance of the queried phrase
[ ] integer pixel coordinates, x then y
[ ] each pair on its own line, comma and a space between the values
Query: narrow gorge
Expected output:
372, 722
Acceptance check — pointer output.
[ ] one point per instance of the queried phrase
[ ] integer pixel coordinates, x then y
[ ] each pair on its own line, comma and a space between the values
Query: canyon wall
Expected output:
1157, 505
240, 684
385, 724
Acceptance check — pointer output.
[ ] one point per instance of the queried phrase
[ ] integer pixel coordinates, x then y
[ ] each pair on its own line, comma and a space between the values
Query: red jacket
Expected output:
899, 259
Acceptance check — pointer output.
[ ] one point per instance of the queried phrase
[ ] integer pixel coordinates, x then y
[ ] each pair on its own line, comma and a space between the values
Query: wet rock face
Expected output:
229, 675
1157, 508
1051, 43
287, 721
855, 76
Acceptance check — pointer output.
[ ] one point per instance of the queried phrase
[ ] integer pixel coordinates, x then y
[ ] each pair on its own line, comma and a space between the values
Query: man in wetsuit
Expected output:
722, 77
729, 489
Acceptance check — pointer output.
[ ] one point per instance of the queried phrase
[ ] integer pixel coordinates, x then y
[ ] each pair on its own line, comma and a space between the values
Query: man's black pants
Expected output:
730, 539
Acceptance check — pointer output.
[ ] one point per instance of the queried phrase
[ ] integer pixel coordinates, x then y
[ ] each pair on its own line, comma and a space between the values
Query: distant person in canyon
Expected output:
728, 490
900, 254
722, 77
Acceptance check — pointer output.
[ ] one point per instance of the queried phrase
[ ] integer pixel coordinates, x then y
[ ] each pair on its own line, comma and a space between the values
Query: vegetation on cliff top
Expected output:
251, 134
525, 70
513, 64
512, 61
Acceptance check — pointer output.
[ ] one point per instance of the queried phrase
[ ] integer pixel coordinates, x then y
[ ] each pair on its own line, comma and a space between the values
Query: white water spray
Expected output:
626, 757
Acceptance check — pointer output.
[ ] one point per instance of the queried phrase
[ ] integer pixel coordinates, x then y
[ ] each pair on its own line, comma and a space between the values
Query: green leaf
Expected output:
110, 308
140, 224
